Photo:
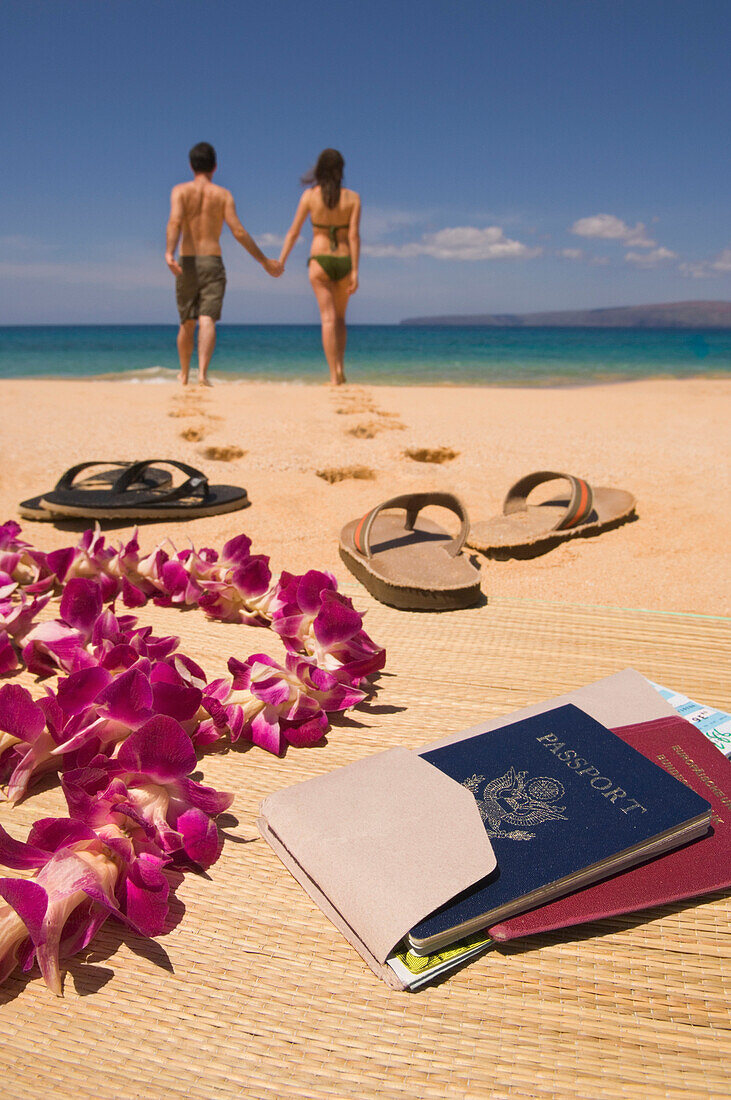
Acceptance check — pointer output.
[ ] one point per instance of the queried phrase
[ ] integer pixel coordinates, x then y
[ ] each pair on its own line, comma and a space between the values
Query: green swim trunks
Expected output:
199, 290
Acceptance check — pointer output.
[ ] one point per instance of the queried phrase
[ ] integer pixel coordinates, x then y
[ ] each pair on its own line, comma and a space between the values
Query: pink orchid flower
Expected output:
16, 621
74, 868
89, 560
167, 577
20, 564
313, 618
62, 643
43, 731
16, 616
20, 717
148, 782
235, 590
131, 572
274, 706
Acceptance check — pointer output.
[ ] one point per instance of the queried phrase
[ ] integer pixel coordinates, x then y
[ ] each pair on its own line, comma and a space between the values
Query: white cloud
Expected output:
580, 256
469, 243
695, 271
610, 228
463, 242
653, 258
722, 261
706, 269
271, 240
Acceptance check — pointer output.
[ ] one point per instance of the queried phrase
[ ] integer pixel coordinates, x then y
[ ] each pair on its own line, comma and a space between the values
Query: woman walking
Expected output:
333, 262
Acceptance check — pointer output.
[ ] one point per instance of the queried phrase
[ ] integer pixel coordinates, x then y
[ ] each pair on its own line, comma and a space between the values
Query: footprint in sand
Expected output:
364, 431
222, 454
355, 402
359, 407
359, 403
389, 422
374, 428
186, 405
431, 454
193, 435
344, 473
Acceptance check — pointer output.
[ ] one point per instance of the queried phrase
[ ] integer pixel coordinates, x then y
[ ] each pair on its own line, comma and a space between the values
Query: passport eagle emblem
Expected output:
516, 801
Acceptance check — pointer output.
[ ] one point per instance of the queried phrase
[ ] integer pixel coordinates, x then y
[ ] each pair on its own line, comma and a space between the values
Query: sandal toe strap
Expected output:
412, 503
66, 481
578, 509
196, 483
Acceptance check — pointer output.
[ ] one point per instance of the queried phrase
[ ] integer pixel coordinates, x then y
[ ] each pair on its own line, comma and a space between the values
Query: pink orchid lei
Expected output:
127, 712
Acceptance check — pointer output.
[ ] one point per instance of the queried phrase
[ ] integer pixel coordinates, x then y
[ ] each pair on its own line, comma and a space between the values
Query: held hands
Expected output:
173, 264
273, 267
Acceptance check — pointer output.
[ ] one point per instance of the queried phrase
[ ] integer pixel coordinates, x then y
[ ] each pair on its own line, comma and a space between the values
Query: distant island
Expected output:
664, 315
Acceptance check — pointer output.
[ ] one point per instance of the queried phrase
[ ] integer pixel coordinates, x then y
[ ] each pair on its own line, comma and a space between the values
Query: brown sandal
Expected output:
525, 530
416, 566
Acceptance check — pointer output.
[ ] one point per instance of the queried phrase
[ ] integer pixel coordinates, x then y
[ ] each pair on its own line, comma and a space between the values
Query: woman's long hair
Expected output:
328, 173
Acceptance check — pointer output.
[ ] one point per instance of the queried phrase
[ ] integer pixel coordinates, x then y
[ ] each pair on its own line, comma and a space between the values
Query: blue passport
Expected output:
565, 802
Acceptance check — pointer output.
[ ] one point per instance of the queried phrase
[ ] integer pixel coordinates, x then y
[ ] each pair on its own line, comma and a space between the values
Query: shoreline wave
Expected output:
162, 375
141, 374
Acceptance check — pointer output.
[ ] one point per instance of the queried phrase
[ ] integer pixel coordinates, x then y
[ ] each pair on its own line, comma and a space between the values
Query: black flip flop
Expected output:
193, 498
152, 478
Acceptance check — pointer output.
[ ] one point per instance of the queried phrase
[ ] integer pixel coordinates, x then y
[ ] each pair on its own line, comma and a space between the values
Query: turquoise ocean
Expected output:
386, 354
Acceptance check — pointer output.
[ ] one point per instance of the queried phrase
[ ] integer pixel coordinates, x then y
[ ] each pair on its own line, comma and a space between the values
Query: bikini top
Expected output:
332, 230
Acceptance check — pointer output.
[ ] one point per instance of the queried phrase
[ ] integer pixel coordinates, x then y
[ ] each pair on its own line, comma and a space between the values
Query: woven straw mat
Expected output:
253, 993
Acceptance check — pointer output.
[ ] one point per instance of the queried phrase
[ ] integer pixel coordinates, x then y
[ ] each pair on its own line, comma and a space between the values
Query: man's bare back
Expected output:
202, 207
198, 210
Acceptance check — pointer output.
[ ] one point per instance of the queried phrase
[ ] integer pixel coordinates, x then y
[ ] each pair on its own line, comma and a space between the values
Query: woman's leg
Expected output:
332, 322
341, 297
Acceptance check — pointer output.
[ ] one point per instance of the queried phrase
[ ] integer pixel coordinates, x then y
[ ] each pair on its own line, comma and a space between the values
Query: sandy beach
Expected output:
312, 458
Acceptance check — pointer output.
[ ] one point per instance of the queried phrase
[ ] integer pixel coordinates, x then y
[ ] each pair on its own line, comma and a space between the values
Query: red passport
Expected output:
700, 867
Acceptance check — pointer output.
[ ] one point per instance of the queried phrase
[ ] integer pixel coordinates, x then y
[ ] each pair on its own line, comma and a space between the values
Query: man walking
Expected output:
198, 210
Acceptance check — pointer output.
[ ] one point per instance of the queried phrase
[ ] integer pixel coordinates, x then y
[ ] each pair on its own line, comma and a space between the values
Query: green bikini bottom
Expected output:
335, 267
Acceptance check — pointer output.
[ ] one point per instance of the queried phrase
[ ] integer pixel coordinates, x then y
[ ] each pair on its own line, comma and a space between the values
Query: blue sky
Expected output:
512, 155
